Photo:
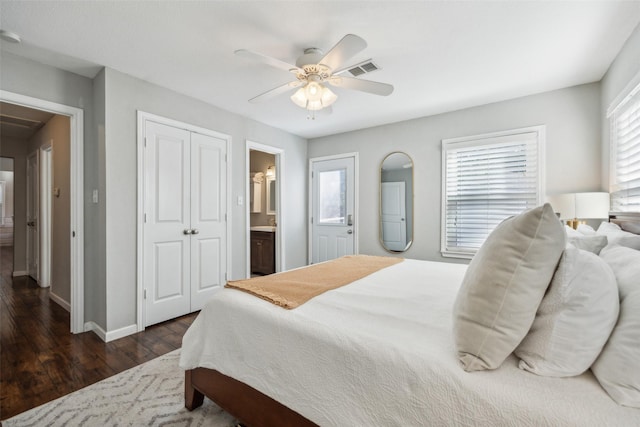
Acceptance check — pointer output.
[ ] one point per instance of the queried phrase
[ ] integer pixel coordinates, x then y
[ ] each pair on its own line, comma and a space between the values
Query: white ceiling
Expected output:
440, 55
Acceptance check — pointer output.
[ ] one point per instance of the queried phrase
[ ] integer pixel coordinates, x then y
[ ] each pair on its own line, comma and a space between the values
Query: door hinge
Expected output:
145, 141
225, 217
145, 294
73, 234
145, 217
311, 220
225, 277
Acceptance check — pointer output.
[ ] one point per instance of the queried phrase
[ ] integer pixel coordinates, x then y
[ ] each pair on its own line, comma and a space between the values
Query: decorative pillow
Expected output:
575, 318
503, 287
618, 366
593, 244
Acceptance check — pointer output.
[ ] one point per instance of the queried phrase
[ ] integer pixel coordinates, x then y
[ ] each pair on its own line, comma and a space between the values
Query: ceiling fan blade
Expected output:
375, 88
343, 51
276, 63
275, 92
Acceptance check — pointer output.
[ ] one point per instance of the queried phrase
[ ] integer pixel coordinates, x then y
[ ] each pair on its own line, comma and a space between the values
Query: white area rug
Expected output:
151, 394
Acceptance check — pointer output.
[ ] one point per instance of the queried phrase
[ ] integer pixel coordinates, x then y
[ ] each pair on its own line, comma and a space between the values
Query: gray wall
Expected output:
41, 81
572, 119
17, 149
57, 132
125, 95
95, 213
624, 68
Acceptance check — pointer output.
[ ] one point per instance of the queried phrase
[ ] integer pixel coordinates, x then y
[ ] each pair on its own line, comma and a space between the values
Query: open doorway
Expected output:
264, 214
45, 141
7, 185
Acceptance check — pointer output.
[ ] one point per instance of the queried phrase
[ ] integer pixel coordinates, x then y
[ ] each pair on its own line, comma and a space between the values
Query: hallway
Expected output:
40, 360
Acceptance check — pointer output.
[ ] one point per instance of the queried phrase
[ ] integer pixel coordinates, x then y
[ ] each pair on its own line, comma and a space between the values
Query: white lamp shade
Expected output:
564, 204
592, 205
580, 205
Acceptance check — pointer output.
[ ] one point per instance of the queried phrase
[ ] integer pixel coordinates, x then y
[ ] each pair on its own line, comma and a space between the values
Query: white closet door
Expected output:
167, 225
208, 198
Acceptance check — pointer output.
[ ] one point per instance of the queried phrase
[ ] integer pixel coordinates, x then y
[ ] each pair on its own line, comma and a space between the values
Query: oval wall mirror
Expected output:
396, 202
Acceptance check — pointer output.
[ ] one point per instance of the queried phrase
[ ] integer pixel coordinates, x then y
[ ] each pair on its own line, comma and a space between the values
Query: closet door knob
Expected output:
187, 231
195, 231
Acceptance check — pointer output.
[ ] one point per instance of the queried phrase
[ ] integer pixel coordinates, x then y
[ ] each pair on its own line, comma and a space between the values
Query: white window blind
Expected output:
487, 179
625, 155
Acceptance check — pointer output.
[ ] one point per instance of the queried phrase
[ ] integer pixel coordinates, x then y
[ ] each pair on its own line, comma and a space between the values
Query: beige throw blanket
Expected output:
293, 288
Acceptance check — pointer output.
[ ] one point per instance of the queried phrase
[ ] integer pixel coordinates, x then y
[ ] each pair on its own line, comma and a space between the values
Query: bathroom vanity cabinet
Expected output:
263, 248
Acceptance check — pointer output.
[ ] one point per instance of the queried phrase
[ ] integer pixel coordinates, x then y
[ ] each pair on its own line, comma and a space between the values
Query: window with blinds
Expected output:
625, 154
486, 179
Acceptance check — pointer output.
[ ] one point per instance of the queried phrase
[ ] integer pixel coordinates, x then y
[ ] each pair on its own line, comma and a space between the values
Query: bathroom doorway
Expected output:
264, 217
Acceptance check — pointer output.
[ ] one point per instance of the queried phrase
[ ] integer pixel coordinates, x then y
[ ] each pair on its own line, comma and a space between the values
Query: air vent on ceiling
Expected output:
19, 122
363, 68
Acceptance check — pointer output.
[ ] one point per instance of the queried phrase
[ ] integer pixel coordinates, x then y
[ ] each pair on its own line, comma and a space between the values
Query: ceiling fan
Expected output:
314, 69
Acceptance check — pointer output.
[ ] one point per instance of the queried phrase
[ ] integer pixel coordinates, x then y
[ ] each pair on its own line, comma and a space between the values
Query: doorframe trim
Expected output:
356, 201
76, 212
279, 153
46, 221
36, 155
142, 117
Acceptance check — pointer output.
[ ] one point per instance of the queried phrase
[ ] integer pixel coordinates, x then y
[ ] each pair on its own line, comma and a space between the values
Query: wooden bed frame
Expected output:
248, 405
253, 408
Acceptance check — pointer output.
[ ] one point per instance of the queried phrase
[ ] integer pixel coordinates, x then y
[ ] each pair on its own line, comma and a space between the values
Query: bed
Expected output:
378, 351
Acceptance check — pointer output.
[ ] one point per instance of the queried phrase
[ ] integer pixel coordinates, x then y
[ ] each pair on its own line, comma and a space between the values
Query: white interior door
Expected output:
32, 215
393, 215
167, 237
208, 199
332, 208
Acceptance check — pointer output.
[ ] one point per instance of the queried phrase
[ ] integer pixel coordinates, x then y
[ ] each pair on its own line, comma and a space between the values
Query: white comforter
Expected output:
380, 352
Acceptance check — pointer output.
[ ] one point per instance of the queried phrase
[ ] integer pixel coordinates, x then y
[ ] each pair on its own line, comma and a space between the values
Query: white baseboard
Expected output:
92, 326
19, 273
62, 303
111, 335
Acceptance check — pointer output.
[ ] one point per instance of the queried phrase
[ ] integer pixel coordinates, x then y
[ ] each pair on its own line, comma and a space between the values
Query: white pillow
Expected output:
593, 244
586, 229
503, 287
618, 366
575, 318
571, 232
616, 235
608, 227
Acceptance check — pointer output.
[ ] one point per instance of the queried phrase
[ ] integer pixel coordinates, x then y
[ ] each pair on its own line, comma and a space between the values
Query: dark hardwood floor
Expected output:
40, 360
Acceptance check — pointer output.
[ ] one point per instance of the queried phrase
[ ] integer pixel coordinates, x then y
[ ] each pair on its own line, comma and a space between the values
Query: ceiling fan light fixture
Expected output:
313, 97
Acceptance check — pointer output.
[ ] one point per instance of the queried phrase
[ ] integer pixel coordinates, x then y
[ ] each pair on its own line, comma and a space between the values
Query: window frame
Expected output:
479, 141
619, 106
